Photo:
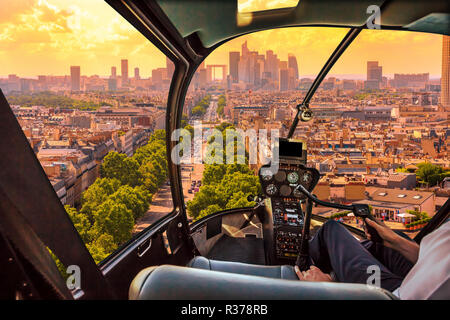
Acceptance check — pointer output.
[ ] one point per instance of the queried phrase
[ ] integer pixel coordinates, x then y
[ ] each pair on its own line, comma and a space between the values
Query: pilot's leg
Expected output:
391, 258
334, 248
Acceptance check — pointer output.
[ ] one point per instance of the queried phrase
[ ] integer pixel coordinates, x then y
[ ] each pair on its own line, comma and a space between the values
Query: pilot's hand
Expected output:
313, 274
390, 238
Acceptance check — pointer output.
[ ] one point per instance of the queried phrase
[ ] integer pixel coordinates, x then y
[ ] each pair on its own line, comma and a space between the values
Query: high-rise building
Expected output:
113, 72
136, 74
292, 64
374, 71
445, 77
157, 76
272, 64
257, 73
284, 79
283, 64
75, 77
374, 75
234, 66
112, 84
411, 80
170, 68
244, 49
42, 83
124, 71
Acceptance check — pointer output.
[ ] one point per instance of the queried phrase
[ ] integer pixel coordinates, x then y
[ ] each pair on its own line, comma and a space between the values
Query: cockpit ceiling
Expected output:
215, 21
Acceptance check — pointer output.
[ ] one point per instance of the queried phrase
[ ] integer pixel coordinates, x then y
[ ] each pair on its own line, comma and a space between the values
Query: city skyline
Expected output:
123, 63
44, 37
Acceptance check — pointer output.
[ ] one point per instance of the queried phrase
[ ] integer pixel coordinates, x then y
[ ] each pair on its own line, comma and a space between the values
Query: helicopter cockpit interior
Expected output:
236, 253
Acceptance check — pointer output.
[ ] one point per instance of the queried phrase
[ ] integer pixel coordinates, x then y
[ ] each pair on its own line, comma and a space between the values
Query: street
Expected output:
161, 205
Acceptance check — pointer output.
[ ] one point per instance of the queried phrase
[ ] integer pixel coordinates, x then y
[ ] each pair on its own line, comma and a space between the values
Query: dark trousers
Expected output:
334, 248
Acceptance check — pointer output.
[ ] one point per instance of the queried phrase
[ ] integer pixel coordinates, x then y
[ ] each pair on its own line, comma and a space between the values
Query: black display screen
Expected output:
291, 148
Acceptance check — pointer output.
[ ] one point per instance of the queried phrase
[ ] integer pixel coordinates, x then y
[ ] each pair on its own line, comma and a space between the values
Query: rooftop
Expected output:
399, 196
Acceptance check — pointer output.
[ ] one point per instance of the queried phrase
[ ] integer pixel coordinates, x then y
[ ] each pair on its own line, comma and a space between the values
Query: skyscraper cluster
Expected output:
261, 70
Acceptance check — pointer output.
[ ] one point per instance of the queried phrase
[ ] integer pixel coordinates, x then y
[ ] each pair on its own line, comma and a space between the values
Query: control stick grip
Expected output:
363, 211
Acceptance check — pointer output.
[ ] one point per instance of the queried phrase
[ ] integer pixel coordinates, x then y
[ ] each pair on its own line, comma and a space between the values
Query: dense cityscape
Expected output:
381, 141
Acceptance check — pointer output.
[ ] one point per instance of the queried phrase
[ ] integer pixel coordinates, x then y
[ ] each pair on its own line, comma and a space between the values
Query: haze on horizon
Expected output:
46, 37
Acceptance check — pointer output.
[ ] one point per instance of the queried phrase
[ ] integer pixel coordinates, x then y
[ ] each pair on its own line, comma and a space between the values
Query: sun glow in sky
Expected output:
46, 37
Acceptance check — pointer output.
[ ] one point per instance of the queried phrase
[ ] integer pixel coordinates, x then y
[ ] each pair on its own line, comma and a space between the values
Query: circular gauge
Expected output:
266, 174
292, 177
306, 177
297, 193
278, 211
280, 176
285, 190
271, 189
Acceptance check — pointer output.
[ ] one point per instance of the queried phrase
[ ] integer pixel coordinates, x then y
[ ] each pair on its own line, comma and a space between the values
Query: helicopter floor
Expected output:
246, 250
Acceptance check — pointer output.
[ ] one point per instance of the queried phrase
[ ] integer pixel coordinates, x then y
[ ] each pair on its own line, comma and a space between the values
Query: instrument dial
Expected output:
266, 174
280, 176
271, 189
292, 177
285, 190
306, 178
297, 193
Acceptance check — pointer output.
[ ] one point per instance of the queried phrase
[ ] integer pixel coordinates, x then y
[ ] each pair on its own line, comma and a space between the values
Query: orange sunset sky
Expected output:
45, 37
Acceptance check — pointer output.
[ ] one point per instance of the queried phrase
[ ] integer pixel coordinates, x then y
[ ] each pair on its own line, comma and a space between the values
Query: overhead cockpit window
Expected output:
90, 93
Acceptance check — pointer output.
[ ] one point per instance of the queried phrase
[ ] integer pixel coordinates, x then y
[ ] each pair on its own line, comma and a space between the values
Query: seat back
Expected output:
172, 282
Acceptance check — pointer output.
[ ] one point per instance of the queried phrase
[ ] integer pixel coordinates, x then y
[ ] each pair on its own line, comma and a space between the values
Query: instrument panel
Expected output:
282, 184
287, 214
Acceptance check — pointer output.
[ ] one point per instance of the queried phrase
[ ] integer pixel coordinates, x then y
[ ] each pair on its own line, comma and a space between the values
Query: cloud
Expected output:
47, 36
30, 22
257, 5
9, 10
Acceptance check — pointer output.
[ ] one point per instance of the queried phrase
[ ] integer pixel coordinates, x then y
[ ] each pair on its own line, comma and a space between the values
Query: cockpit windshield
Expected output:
377, 118
236, 88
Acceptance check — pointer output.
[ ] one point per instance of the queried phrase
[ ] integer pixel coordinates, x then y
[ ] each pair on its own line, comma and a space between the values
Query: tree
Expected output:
221, 103
135, 199
213, 173
230, 191
225, 186
100, 190
419, 214
102, 247
96, 194
429, 173
239, 200
112, 204
114, 219
207, 196
198, 111
123, 168
225, 125
81, 222
158, 135
209, 210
